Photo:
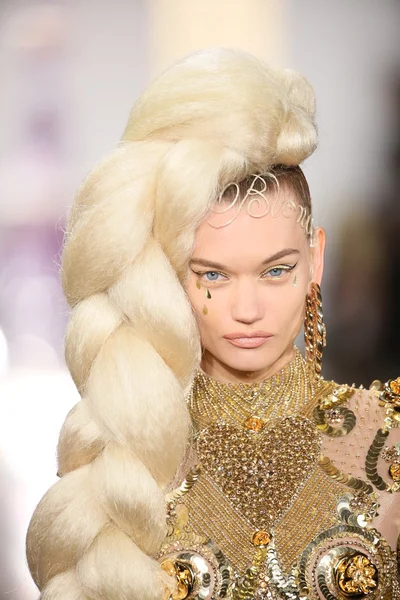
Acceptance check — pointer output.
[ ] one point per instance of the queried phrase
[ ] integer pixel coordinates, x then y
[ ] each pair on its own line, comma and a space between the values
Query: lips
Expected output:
248, 340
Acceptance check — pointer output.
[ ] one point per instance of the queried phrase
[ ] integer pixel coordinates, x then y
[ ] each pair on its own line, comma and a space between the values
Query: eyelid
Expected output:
201, 273
286, 268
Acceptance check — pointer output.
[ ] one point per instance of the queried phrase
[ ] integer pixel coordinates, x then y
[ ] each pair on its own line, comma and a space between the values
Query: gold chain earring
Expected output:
314, 329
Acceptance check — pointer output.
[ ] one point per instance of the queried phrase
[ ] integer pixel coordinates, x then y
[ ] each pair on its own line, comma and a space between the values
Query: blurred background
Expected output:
69, 72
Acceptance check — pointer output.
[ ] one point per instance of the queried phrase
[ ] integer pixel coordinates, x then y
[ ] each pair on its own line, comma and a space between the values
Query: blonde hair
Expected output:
132, 344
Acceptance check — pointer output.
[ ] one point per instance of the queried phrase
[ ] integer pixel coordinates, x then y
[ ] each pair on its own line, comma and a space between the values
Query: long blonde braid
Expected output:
132, 344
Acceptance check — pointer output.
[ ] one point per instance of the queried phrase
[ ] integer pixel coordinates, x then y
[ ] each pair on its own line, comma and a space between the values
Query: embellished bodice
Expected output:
289, 485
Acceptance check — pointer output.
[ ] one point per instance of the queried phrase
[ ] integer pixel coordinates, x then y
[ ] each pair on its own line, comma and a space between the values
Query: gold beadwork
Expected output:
313, 511
290, 391
247, 588
185, 486
254, 488
260, 474
364, 505
213, 515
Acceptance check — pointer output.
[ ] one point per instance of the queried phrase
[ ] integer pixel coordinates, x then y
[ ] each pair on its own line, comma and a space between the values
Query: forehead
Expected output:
235, 235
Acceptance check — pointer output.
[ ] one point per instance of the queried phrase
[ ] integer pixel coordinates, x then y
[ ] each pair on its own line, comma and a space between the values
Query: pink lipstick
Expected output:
252, 339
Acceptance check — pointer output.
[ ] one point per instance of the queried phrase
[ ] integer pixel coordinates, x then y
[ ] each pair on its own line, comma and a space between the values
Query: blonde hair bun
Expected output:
230, 98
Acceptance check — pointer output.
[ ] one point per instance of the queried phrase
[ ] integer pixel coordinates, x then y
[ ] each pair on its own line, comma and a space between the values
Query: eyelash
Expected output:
286, 268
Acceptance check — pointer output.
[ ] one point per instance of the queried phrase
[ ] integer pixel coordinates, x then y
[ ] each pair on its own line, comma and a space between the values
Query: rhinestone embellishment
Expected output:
260, 473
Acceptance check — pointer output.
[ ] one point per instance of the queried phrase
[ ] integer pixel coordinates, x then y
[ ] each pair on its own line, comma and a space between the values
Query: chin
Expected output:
250, 360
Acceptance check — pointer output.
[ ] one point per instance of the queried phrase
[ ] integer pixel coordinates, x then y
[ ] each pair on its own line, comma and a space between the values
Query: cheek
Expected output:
207, 310
288, 307
194, 296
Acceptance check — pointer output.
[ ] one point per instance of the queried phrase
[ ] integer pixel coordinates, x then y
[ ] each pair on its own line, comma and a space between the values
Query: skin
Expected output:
251, 295
252, 289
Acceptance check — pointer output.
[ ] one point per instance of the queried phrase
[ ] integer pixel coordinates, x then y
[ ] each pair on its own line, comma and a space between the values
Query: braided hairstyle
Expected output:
132, 344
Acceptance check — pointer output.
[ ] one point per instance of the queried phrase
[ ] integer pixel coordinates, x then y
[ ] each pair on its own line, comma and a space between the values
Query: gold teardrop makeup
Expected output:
295, 281
208, 296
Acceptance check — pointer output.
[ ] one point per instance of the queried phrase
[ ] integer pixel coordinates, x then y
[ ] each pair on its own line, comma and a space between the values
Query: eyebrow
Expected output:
210, 263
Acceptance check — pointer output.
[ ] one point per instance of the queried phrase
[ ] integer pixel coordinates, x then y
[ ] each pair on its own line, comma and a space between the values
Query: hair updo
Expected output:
132, 343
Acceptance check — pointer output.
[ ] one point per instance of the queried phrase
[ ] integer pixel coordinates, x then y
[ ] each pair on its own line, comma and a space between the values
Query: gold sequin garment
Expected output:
283, 489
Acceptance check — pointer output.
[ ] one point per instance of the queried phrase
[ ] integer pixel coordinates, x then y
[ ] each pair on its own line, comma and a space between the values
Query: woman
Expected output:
207, 458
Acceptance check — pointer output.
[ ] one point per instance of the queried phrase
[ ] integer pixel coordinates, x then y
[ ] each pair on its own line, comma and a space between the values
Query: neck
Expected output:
289, 391
215, 368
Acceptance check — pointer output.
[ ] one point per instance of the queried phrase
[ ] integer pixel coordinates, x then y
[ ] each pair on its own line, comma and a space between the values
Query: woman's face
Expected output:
247, 285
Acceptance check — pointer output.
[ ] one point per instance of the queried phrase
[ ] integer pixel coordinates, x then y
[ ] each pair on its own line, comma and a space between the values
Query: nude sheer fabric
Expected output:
349, 455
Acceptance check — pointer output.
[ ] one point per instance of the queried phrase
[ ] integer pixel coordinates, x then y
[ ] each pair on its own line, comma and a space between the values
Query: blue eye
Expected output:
276, 272
212, 275
279, 272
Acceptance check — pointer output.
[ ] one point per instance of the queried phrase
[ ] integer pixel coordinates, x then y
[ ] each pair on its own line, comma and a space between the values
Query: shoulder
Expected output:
361, 430
383, 457
361, 448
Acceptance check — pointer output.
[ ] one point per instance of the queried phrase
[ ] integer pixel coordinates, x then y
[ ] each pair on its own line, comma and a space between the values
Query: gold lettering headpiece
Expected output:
258, 203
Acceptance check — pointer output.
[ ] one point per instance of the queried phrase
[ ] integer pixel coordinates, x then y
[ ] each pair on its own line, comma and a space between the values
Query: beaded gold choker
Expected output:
287, 392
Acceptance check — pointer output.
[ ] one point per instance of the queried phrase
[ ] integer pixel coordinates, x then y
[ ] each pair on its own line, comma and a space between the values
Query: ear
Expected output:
318, 252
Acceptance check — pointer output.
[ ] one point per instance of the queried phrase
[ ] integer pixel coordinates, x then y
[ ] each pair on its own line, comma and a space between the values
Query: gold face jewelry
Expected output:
295, 281
208, 295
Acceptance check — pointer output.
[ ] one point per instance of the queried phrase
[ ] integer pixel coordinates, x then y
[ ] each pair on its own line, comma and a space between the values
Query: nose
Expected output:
247, 303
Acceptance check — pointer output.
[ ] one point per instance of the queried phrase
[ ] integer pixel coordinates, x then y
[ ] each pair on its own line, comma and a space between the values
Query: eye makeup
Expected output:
277, 272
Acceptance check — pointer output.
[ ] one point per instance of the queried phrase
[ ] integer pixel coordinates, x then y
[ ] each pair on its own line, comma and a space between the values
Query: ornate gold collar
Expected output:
290, 391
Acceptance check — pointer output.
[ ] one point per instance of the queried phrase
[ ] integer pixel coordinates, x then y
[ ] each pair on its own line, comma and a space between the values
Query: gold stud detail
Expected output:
394, 472
254, 424
183, 575
356, 575
261, 538
394, 385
